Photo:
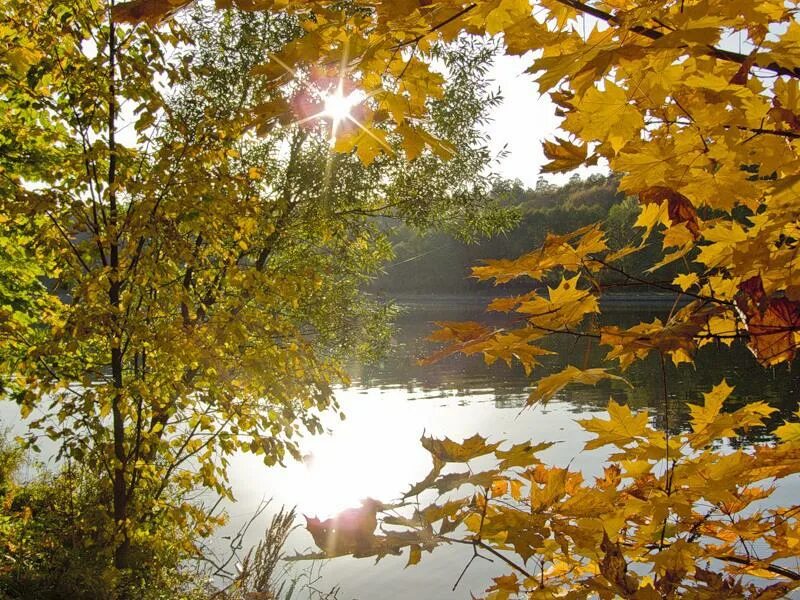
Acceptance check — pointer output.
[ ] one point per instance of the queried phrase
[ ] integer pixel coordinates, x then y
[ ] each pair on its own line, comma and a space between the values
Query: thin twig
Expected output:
667, 479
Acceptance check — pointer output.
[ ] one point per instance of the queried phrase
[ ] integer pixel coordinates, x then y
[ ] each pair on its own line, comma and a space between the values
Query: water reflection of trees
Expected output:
469, 379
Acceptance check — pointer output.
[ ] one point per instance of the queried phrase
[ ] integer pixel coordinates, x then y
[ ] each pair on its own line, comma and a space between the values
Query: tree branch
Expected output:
778, 570
69, 242
436, 27
654, 34
661, 286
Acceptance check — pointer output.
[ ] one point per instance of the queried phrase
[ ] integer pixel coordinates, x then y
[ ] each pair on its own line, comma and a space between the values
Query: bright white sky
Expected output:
521, 122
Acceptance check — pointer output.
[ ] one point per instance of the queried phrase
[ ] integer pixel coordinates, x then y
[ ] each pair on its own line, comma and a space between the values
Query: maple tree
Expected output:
670, 516
182, 251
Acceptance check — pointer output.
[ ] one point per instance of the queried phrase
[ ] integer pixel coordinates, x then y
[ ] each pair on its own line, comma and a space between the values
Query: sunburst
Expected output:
338, 105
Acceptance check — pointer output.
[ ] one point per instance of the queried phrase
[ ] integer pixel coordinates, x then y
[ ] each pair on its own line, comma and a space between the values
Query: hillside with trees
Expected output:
441, 262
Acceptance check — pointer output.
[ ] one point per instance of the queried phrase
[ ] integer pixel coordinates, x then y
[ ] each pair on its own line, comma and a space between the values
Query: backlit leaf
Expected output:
620, 429
549, 386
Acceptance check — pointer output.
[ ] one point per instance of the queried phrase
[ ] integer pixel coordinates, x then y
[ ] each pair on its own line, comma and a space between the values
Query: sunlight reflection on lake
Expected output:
376, 452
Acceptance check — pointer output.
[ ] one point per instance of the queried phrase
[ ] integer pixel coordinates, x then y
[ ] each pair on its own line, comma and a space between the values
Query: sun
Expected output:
338, 105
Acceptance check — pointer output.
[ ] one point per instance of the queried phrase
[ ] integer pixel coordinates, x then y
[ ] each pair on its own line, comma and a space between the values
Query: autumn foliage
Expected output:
181, 260
670, 516
697, 104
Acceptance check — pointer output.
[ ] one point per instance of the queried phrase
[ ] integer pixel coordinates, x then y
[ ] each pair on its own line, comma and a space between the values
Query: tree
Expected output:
695, 103
651, 89
182, 252
54, 538
435, 262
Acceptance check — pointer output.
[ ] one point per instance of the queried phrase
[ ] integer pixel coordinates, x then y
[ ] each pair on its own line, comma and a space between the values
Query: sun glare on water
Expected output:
363, 457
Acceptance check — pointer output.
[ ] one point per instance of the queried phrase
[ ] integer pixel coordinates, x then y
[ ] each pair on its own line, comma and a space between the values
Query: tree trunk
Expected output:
122, 550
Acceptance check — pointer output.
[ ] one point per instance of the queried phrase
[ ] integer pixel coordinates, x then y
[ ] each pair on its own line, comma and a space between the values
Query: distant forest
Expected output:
440, 263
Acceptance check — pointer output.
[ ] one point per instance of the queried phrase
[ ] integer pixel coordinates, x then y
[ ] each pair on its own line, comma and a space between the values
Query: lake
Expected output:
375, 451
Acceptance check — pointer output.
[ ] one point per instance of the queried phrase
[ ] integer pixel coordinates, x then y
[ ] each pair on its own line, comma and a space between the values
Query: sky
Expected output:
521, 122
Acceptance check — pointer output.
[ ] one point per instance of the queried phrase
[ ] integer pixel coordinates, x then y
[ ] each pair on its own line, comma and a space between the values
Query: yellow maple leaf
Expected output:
606, 115
449, 451
620, 429
686, 280
563, 155
548, 386
702, 416
789, 432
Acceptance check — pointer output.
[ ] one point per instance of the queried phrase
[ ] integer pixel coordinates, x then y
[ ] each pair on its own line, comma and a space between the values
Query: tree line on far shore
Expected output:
439, 262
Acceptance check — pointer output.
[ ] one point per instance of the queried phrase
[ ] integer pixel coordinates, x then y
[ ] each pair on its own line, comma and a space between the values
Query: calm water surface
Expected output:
375, 452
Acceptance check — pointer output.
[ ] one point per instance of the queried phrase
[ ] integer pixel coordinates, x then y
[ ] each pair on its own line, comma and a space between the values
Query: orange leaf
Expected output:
772, 332
146, 11
679, 207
